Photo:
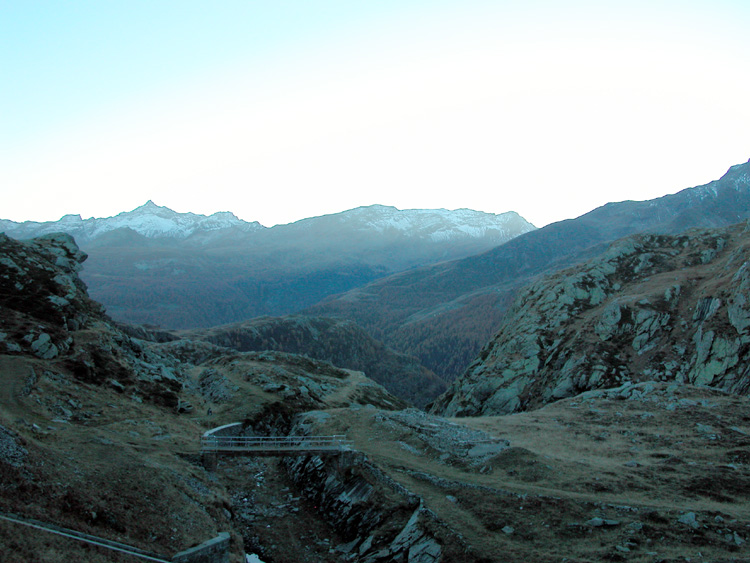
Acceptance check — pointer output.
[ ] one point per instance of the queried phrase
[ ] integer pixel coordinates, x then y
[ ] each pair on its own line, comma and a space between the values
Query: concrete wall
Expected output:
215, 550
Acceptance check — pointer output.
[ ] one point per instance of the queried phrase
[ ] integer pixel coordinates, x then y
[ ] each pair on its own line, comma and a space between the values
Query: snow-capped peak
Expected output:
149, 220
435, 224
154, 221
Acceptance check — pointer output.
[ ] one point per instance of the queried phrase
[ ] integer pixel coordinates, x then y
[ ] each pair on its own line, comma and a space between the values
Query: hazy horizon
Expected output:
290, 110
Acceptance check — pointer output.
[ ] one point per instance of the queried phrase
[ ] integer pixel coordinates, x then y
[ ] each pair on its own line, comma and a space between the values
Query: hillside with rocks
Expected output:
338, 341
183, 270
48, 315
443, 314
100, 427
99, 430
651, 308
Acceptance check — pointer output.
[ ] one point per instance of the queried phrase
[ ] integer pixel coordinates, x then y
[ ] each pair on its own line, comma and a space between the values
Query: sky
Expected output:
286, 109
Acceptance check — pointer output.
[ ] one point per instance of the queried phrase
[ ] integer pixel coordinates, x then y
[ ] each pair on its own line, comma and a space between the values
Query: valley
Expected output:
182, 270
606, 419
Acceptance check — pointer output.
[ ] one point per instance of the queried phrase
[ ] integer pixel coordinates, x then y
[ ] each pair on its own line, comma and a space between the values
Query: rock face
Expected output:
379, 519
652, 307
47, 314
39, 282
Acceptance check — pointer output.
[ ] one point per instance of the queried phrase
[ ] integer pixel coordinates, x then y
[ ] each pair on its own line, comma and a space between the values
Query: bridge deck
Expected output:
287, 445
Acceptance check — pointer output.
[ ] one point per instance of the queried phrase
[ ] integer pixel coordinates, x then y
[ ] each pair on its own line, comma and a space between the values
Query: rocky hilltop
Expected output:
671, 308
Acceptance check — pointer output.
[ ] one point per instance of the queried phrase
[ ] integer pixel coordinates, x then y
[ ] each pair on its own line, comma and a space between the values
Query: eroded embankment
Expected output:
378, 519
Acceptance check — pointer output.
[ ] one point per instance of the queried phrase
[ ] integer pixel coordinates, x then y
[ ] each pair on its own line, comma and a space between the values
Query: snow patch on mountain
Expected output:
433, 224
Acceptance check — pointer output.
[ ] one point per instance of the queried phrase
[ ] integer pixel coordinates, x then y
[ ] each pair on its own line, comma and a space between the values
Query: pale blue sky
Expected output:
280, 110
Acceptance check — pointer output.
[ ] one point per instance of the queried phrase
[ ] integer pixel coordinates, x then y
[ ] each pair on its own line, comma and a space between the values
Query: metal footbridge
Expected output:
273, 445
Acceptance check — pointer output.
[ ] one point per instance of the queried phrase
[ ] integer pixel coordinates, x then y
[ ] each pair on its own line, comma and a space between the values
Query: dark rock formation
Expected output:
379, 519
48, 314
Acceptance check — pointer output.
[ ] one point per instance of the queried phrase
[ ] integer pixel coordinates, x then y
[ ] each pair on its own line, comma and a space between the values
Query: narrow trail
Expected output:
15, 374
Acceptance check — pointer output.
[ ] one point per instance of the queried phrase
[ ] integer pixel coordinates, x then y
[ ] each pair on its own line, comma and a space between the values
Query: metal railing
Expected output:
85, 538
235, 444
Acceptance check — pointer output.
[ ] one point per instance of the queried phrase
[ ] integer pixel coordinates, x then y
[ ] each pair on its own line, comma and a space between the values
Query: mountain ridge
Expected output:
156, 266
154, 221
458, 305
149, 220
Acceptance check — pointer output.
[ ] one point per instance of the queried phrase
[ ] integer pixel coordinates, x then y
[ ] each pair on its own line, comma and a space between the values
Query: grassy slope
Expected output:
643, 463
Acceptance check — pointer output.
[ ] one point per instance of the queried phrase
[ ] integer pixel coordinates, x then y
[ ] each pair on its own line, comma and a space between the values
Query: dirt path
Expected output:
15, 374
344, 394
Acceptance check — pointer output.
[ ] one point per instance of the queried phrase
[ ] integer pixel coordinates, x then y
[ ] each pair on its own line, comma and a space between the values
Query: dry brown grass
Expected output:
572, 461
109, 464
128, 471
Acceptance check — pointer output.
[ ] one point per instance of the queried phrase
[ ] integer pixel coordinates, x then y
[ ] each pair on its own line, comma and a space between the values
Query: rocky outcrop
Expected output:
652, 307
48, 315
42, 298
380, 520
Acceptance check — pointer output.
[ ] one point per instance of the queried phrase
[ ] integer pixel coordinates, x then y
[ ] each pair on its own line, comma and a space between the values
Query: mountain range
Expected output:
149, 220
429, 284
182, 270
